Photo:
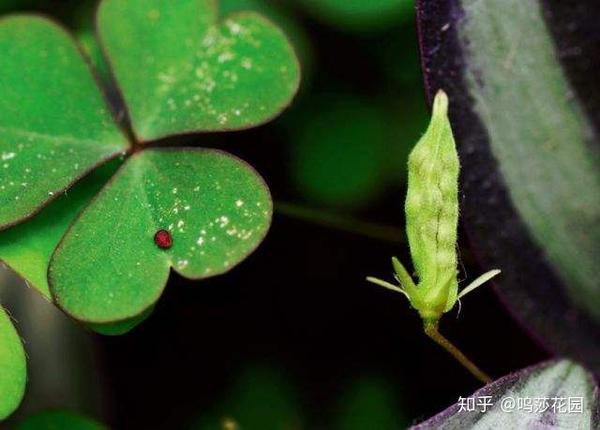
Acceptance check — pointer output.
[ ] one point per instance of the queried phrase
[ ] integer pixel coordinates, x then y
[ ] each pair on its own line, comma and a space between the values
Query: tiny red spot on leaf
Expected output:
163, 239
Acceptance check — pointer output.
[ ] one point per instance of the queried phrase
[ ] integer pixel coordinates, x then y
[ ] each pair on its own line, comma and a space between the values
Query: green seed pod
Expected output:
431, 225
432, 214
432, 221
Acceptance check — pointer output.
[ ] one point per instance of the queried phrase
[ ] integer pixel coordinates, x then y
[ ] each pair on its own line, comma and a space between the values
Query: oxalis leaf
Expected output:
280, 14
526, 118
12, 367
54, 123
198, 73
27, 247
109, 266
555, 394
263, 79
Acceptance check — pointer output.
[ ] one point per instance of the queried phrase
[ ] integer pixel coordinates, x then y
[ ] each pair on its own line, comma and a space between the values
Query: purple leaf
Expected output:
525, 108
551, 395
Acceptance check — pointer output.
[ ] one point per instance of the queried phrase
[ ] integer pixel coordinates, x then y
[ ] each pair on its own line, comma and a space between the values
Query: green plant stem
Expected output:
340, 222
431, 330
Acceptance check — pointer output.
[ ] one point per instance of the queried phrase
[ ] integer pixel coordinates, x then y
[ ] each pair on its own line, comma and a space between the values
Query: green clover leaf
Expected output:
197, 73
54, 123
12, 366
94, 250
27, 247
215, 207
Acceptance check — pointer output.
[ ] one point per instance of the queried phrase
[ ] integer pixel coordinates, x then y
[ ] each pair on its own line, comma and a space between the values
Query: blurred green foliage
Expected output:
6, 5
260, 399
370, 403
346, 151
58, 420
338, 151
359, 15
265, 399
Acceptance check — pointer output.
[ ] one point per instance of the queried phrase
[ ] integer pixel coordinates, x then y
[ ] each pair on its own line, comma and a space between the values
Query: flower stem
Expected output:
431, 330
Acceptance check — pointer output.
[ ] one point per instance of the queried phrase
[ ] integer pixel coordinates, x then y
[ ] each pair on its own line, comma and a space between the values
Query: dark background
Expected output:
297, 317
